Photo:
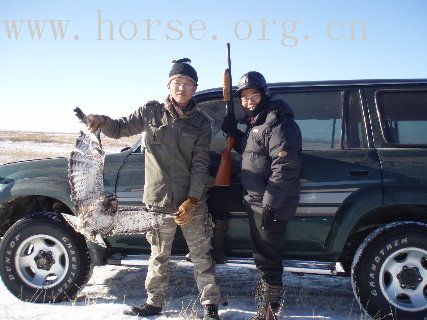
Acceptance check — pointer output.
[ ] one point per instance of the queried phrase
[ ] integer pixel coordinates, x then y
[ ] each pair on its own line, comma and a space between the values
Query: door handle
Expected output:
359, 173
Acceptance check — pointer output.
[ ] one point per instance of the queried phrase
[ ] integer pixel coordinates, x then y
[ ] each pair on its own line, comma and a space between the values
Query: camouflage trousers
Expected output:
197, 234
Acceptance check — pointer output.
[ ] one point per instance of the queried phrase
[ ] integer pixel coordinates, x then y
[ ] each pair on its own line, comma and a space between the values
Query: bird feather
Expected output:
98, 212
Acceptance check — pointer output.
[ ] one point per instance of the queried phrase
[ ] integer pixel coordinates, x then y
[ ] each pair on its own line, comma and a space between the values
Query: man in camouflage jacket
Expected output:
176, 171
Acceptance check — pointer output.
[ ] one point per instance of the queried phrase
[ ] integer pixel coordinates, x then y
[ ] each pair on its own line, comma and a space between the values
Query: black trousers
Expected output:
267, 247
222, 200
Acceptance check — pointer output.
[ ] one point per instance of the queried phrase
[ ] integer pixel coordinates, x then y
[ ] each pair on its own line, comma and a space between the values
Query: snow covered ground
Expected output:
112, 289
20, 145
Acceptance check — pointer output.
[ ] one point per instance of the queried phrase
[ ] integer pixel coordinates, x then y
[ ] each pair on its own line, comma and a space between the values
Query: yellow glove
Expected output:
94, 122
185, 211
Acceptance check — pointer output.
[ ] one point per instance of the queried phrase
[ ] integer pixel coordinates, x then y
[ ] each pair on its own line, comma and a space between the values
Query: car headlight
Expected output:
5, 183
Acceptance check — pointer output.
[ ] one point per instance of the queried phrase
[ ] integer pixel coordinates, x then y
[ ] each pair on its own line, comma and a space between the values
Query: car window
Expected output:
214, 110
319, 115
139, 146
404, 116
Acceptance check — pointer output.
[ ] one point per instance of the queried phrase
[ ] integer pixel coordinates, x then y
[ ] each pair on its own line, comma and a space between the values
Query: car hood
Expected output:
56, 168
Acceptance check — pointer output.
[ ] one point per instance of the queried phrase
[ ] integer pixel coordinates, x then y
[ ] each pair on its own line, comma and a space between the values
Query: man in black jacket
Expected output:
271, 165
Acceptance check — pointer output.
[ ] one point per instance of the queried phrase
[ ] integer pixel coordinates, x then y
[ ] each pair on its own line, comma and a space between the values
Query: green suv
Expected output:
362, 210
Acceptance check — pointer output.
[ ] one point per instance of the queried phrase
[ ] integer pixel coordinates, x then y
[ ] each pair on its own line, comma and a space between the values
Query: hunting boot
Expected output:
268, 298
144, 310
218, 251
210, 312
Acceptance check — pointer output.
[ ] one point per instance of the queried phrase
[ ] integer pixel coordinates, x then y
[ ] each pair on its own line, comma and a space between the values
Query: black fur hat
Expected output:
183, 67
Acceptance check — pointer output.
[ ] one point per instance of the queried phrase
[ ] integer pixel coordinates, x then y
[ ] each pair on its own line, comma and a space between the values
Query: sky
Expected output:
113, 56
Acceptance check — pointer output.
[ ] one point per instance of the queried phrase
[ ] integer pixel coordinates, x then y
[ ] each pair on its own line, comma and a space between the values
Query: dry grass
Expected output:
20, 145
62, 138
21, 136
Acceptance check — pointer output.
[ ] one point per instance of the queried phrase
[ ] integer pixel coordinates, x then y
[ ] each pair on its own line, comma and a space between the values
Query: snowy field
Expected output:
112, 289
19, 145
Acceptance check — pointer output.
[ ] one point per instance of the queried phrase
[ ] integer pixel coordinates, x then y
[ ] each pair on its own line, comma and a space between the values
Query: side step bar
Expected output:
295, 266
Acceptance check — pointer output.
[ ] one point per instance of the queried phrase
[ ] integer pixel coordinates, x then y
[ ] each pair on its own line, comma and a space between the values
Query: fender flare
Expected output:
55, 188
356, 206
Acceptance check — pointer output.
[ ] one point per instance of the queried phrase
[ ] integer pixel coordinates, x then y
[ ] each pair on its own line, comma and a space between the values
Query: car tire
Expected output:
44, 260
389, 272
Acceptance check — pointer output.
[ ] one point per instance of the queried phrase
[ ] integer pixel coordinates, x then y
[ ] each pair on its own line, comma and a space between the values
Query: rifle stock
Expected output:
223, 176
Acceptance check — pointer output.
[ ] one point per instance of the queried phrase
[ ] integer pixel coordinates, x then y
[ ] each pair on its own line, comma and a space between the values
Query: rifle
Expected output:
223, 176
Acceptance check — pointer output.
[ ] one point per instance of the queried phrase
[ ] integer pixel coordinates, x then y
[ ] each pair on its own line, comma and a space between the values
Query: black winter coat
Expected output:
271, 162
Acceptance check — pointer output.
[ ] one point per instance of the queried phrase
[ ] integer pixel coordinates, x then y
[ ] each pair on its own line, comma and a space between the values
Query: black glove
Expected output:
229, 126
268, 218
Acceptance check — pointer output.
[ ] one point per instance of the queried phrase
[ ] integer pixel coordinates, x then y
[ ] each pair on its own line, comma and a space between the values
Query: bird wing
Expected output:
97, 210
86, 170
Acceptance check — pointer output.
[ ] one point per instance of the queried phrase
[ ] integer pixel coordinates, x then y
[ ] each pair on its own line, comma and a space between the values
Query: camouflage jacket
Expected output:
176, 154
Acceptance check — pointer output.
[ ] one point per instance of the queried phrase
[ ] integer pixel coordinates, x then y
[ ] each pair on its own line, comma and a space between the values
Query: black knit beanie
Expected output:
183, 67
